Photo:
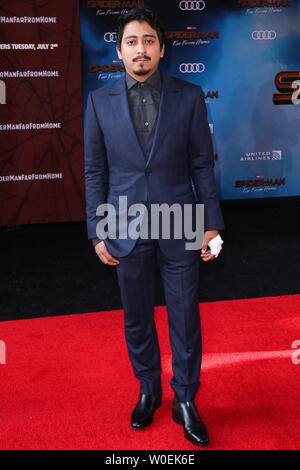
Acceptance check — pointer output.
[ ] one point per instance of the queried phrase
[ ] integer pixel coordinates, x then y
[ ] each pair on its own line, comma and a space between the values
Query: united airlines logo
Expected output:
110, 37
192, 5
288, 86
263, 156
276, 155
192, 68
264, 35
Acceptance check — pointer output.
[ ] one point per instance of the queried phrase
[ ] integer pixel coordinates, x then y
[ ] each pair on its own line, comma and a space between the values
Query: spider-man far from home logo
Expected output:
114, 4
288, 85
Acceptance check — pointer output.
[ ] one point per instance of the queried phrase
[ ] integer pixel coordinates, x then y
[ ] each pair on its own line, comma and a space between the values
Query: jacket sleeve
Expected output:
202, 166
95, 168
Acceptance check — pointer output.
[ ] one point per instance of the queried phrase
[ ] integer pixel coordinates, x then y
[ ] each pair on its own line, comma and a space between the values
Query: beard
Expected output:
141, 71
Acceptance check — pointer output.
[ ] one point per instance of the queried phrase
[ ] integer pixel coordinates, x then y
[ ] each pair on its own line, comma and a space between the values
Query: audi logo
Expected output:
110, 37
264, 35
192, 5
192, 68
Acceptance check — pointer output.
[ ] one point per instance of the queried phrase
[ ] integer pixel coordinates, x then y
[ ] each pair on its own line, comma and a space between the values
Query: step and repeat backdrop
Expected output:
246, 56
244, 53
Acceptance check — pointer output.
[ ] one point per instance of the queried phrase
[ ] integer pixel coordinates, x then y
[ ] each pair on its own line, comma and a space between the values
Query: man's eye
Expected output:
130, 42
149, 41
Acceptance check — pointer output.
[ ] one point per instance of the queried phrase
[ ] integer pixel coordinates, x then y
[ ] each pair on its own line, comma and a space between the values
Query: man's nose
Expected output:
141, 48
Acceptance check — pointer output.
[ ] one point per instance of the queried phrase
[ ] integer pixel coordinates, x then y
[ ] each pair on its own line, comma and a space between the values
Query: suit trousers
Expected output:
179, 271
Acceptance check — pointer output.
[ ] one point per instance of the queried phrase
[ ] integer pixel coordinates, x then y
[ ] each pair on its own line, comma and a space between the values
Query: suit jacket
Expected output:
179, 168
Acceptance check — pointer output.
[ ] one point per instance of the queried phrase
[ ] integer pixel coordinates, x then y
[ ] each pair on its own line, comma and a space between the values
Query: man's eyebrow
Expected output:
144, 36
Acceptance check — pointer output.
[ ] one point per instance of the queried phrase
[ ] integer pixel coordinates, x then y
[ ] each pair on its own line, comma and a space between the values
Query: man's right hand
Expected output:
104, 255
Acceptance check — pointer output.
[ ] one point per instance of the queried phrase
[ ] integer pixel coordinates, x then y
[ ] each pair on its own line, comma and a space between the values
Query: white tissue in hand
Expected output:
215, 245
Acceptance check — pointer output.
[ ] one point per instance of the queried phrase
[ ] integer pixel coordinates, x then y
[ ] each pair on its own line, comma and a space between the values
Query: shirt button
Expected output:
144, 100
146, 124
142, 85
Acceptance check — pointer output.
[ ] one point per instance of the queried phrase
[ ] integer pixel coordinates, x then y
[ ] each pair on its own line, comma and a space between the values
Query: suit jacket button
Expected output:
147, 172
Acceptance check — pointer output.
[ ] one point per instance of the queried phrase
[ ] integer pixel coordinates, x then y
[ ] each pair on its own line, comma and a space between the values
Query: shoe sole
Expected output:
150, 420
186, 435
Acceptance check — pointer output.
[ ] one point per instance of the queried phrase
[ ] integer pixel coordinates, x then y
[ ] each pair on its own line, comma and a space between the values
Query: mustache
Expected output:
145, 57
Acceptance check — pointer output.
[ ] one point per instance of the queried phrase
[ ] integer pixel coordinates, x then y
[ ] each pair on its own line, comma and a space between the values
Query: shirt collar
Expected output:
154, 81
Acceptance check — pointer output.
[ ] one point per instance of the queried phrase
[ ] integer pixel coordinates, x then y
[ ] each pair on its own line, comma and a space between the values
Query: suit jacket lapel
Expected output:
120, 105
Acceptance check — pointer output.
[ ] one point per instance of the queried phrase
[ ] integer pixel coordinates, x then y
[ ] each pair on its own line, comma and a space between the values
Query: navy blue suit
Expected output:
178, 153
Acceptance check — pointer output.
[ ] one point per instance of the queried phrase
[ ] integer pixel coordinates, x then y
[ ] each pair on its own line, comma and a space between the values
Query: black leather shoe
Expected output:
143, 411
186, 414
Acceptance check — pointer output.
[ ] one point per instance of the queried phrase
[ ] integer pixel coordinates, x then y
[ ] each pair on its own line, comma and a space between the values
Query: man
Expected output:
147, 138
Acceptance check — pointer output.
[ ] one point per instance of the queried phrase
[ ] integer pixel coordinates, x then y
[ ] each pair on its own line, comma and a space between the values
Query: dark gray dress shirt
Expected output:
143, 100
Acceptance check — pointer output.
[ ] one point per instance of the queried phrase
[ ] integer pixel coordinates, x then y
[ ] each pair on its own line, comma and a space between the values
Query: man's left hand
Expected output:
205, 251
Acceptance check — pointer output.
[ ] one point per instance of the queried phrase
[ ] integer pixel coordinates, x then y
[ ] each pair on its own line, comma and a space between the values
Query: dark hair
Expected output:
139, 14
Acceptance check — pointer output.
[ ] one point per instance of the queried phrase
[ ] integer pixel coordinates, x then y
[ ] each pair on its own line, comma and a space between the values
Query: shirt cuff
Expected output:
95, 241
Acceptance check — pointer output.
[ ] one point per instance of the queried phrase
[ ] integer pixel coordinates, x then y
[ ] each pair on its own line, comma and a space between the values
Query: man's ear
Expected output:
162, 52
119, 53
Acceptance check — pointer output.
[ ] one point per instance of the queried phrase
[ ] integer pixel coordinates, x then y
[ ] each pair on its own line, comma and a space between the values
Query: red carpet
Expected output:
67, 382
